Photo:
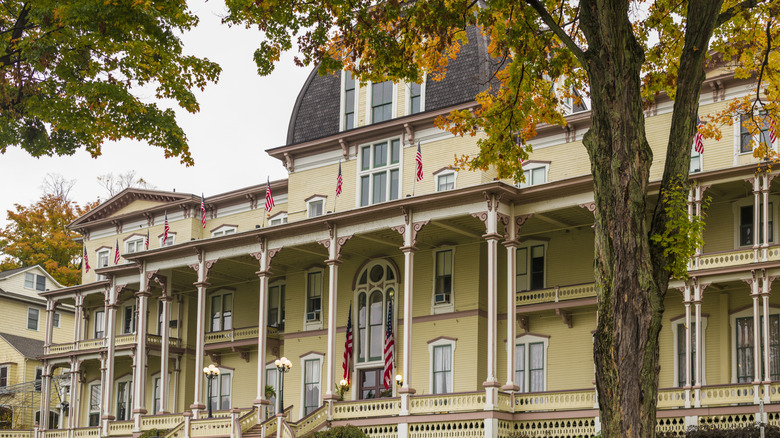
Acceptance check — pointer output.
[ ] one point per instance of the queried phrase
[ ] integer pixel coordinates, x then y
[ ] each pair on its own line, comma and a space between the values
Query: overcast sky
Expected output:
240, 117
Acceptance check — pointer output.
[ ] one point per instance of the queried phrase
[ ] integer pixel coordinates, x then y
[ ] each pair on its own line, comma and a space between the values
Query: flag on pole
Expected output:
116, 253
772, 132
418, 159
348, 346
146, 242
389, 347
269, 197
86, 260
166, 228
339, 182
202, 210
698, 139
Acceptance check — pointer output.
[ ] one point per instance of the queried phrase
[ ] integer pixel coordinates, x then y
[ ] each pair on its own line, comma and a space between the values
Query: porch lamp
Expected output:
283, 365
399, 380
210, 371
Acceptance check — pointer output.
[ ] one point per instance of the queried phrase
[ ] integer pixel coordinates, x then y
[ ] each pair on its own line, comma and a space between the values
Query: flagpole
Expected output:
265, 213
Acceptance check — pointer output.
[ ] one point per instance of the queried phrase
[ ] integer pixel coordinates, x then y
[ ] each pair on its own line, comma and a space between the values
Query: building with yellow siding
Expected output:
486, 285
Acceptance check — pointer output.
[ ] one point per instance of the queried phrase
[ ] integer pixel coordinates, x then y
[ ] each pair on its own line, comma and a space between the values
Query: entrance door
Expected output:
371, 385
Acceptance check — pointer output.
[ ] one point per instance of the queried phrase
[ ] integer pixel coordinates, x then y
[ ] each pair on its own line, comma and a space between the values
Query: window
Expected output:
696, 164
56, 322
678, 331
311, 383
315, 206
160, 319
349, 101
380, 172
222, 311
272, 380
441, 352
135, 244
54, 419
100, 324
278, 219
102, 258
169, 241
375, 288
313, 296
3, 376
224, 230
443, 278
156, 396
415, 98
38, 378
34, 282
445, 180
530, 267
531, 363
745, 348
221, 390
381, 101
746, 138
534, 174
94, 404
128, 325
33, 315
746, 233
276, 306
124, 399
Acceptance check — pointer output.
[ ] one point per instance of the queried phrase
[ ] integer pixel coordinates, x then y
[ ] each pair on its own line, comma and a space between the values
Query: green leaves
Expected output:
71, 70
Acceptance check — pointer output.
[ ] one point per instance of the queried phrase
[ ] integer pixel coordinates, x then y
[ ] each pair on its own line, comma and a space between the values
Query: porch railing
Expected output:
465, 402
555, 401
237, 334
211, 427
381, 407
728, 258
168, 421
311, 422
86, 432
16, 434
556, 294
120, 428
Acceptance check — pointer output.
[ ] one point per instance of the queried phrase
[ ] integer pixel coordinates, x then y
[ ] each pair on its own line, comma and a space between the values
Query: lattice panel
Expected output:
569, 428
390, 431
454, 429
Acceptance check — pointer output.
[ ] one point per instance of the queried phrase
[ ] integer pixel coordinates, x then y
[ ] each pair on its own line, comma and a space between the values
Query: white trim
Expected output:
279, 219
134, 240
38, 320
369, 103
99, 253
528, 245
95, 319
313, 324
440, 343
310, 356
314, 200
703, 347
448, 172
89, 401
35, 282
126, 379
528, 168
527, 339
443, 307
750, 201
387, 168
224, 230
748, 312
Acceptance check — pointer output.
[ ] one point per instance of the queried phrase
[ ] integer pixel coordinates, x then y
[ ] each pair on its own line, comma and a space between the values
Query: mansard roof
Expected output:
316, 110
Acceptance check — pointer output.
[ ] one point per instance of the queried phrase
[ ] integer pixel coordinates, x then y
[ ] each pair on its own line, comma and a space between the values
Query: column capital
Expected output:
411, 249
143, 294
263, 274
334, 262
492, 236
203, 284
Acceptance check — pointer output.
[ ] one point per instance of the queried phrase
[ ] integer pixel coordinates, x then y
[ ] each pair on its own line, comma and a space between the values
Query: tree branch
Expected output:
559, 32
729, 13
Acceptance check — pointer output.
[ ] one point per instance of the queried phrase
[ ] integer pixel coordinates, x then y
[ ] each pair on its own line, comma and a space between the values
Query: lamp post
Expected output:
283, 365
210, 371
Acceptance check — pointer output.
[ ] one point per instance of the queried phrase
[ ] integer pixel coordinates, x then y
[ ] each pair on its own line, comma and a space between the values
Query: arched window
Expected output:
375, 288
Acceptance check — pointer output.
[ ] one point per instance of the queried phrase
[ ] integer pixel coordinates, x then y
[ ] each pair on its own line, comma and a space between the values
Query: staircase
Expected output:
255, 432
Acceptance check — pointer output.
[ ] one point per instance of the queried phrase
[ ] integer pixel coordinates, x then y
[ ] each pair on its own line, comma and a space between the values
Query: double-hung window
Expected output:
530, 267
531, 363
380, 172
415, 98
100, 324
746, 137
313, 296
33, 315
34, 282
128, 325
276, 306
442, 356
224, 230
134, 245
443, 284
695, 161
311, 384
745, 343
222, 311
124, 400
315, 206
3, 376
168, 240
349, 100
381, 101
219, 399
445, 179
56, 322
94, 404
278, 219
534, 174
102, 258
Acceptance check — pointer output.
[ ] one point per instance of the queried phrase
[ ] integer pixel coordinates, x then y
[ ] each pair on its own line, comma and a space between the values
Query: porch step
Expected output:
254, 432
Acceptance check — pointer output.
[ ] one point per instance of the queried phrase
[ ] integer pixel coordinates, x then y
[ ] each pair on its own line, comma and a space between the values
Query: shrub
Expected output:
339, 432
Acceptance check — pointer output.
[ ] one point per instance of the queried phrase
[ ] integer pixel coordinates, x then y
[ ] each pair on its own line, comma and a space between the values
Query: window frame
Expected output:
102, 320
313, 324
442, 341
128, 400
316, 199
526, 340
388, 288
218, 387
90, 411
37, 318
270, 367
528, 168
7, 370
445, 306
222, 293
746, 312
695, 154
676, 323
736, 207
388, 168
529, 245
370, 102
740, 131
171, 239
137, 241
36, 279
105, 253
280, 316
408, 92
278, 219
319, 357
57, 319
343, 102
224, 230
133, 308
445, 173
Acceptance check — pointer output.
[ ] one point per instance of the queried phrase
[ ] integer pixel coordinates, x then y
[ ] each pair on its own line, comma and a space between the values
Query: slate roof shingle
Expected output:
29, 348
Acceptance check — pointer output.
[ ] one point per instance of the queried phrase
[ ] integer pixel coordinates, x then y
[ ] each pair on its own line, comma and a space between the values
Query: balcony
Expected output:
239, 334
556, 294
100, 343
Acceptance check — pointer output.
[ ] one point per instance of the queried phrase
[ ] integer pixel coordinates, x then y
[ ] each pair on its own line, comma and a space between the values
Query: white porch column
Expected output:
767, 377
165, 348
51, 307
698, 290
766, 179
78, 318
75, 394
202, 267
756, 216
687, 304
511, 313
110, 335
176, 375
409, 232
45, 396
139, 378
264, 257
756, 337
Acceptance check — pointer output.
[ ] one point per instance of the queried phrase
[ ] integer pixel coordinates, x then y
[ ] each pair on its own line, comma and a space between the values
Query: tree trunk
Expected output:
632, 274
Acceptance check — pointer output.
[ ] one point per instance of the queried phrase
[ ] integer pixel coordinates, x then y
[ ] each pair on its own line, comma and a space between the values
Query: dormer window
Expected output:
415, 98
315, 206
224, 230
381, 101
535, 173
34, 282
278, 219
349, 101
134, 244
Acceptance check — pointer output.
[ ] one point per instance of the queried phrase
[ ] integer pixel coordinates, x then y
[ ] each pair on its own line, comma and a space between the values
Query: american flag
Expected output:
86, 260
269, 197
389, 347
418, 159
348, 346
202, 210
166, 228
698, 139
116, 253
772, 131
339, 182
146, 242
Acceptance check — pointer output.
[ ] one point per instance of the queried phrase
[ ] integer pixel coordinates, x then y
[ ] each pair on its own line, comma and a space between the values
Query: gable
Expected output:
137, 205
129, 201
15, 282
